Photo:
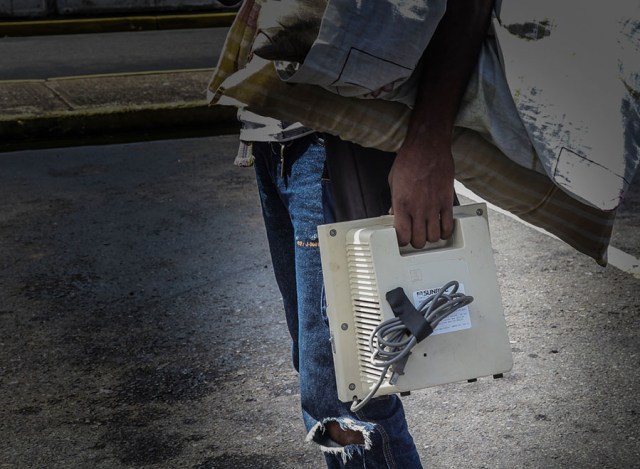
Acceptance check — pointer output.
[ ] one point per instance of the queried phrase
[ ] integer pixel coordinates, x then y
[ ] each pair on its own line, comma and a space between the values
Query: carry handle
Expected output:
452, 241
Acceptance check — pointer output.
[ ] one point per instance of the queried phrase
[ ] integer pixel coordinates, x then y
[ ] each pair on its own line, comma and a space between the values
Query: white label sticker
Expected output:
456, 321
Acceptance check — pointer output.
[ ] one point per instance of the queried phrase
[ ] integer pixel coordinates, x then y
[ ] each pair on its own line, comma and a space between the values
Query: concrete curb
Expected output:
116, 125
114, 24
105, 109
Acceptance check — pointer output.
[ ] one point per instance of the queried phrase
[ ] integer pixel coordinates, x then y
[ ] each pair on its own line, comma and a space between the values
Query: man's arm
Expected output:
421, 178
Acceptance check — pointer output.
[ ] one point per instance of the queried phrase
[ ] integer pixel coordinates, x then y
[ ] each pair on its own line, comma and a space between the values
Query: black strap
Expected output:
408, 314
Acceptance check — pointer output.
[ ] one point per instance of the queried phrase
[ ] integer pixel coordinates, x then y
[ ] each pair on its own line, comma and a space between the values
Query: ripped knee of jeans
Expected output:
342, 436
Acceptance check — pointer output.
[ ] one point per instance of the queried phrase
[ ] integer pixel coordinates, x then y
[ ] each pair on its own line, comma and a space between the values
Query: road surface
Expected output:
140, 326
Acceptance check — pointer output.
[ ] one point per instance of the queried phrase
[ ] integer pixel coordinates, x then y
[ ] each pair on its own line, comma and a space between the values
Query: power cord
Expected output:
391, 341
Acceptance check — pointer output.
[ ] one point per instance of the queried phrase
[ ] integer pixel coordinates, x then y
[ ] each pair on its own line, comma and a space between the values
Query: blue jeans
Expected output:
294, 201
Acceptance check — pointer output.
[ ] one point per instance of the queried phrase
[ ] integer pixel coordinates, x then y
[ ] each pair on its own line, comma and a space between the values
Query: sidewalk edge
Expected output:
114, 24
116, 124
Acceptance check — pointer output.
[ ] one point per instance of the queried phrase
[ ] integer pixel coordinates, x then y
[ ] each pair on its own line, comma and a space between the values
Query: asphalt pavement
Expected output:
129, 52
140, 326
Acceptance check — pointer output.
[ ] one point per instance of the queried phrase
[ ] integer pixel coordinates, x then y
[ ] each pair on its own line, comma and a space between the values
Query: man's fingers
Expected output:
446, 223
402, 223
418, 232
433, 228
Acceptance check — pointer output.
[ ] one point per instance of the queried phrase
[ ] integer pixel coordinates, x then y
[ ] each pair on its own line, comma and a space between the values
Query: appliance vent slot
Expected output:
366, 306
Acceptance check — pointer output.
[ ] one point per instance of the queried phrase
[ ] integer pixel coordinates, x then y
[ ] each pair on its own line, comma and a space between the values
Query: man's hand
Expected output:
421, 179
421, 182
